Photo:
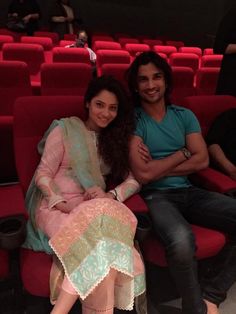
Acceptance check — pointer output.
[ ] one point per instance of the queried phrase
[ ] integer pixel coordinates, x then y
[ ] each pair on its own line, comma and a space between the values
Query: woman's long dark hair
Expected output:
113, 141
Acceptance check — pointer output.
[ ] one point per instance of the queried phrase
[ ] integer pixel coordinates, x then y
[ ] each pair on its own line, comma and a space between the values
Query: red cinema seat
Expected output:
111, 45
152, 42
206, 109
32, 117
116, 70
65, 78
175, 43
111, 56
71, 37
208, 51
14, 82
196, 50
5, 39
102, 37
135, 49
46, 43
206, 80
168, 50
16, 36
64, 43
211, 61
54, 36
127, 40
31, 54
61, 54
190, 60
183, 80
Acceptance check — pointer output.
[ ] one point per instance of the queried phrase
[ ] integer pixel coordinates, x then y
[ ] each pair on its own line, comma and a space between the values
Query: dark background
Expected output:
194, 22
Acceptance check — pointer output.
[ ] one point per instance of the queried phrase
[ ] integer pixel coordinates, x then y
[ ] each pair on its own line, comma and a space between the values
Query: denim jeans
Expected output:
171, 212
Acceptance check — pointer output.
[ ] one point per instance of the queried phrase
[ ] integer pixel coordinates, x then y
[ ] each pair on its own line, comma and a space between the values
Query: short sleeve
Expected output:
191, 122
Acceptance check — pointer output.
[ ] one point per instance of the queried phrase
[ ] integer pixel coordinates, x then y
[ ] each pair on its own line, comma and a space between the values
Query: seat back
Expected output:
175, 43
127, 40
196, 50
54, 36
190, 60
31, 54
116, 70
208, 107
111, 56
65, 78
152, 42
211, 61
61, 54
45, 42
111, 45
168, 50
32, 117
134, 49
5, 39
208, 51
206, 80
183, 78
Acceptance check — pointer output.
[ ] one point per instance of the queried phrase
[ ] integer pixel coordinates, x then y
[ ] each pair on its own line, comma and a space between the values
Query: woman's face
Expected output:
103, 109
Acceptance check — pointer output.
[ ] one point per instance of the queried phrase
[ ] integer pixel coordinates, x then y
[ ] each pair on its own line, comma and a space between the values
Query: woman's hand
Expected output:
63, 207
144, 152
94, 192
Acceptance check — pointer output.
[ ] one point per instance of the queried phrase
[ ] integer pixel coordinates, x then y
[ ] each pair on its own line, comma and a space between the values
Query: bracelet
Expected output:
114, 192
186, 153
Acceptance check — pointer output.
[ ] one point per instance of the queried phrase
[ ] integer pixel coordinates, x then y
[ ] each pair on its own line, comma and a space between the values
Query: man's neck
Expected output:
156, 111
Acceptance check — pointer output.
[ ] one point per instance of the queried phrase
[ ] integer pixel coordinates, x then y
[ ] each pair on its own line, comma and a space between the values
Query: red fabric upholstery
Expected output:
61, 54
66, 42
5, 39
52, 35
208, 107
65, 78
117, 71
152, 42
206, 80
196, 50
168, 50
209, 243
183, 78
102, 37
14, 82
111, 56
208, 51
31, 54
71, 37
176, 43
211, 61
45, 42
127, 40
111, 45
135, 49
4, 265
184, 59
16, 36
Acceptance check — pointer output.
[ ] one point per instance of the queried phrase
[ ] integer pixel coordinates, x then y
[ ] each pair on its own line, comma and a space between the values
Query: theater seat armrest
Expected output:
214, 180
136, 204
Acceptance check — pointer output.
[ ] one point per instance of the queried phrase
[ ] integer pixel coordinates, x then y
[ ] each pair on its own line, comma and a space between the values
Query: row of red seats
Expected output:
32, 115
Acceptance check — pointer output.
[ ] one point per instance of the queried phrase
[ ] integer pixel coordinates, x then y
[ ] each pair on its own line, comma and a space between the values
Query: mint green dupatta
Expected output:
83, 159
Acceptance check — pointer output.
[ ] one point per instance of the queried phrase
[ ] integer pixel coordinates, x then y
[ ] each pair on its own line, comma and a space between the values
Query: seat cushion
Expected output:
209, 243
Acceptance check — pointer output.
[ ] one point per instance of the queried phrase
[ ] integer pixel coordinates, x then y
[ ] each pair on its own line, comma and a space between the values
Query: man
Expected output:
82, 42
221, 140
172, 136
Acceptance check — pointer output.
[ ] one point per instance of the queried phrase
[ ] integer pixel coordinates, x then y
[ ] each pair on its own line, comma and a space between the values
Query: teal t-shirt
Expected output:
166, 137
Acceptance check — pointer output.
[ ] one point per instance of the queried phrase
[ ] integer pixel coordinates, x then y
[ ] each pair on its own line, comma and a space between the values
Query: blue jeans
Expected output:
171, 212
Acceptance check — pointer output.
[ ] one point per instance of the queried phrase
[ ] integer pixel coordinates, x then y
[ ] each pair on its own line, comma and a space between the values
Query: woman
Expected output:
89, 230
62, 18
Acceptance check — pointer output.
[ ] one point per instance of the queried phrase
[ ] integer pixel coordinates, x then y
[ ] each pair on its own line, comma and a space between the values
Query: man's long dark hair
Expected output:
113, 141
144, 59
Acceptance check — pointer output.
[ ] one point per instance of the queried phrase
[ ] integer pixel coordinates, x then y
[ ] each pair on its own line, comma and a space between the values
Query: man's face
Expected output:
151, 84
82, 40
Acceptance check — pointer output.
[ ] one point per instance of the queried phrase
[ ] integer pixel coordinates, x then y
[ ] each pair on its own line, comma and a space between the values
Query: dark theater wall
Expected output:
194, 22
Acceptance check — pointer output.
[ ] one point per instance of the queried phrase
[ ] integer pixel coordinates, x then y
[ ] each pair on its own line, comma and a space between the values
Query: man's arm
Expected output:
218, 158
145, 172
199, 159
